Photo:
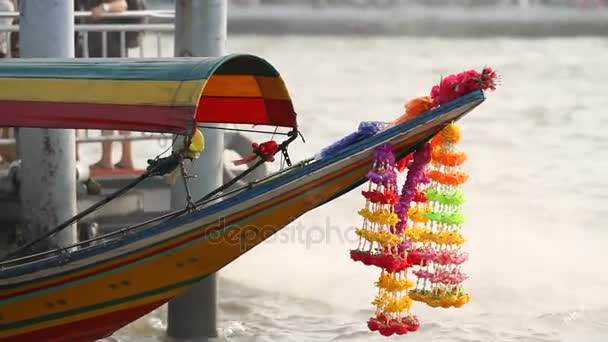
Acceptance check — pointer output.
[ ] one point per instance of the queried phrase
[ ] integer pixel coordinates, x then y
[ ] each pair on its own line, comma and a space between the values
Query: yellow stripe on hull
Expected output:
141, 92
123, 92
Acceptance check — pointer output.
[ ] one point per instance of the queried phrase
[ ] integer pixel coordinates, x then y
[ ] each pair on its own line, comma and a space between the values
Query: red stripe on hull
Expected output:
257, 111
86, 330
178, 120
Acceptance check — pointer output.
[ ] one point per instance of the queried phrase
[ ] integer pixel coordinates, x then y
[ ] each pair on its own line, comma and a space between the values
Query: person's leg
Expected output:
3, 148
8, 152
77, 135
126, 161
106, 153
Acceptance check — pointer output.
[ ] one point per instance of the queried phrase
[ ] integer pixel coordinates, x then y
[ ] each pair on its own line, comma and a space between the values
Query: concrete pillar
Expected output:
200, 30
48, 156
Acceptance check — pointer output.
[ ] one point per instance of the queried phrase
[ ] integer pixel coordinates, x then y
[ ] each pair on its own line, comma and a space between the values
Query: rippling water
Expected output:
536, 199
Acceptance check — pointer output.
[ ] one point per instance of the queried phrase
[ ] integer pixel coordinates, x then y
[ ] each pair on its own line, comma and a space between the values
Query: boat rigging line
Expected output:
244, 130
157, 167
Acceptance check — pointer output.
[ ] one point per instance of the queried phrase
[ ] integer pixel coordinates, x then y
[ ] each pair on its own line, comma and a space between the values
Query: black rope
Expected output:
274, 133
293, 135
158, 166
244, 130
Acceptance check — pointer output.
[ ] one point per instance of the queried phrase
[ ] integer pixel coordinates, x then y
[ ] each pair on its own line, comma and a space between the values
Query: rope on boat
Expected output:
156, 167
244, 130
293, 135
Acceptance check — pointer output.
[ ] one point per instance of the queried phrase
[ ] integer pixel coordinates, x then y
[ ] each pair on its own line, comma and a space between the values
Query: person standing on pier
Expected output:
7, 152
5, 6
114, 49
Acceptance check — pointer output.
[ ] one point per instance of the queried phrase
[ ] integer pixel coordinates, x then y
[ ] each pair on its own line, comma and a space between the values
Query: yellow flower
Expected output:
416, 214
390, 283
366, 213
381, 300
434, 303
451, 133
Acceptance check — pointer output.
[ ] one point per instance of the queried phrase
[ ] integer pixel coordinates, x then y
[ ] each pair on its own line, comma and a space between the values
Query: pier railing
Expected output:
151, 46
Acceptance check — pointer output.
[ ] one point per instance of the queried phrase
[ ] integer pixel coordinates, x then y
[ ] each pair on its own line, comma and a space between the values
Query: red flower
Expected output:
415, 258
393, 264
420, 197
455, 86
355, 255
412, 323
376, 196
404, 163
391, 196
373, 324
401, 329
367, 259
386, 331
397, 327
489, 78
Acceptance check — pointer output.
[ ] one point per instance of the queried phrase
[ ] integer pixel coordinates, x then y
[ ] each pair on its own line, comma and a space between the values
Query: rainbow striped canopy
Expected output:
155, 95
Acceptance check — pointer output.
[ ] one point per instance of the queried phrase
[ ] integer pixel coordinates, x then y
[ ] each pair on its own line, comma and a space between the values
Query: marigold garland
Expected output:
420, 228
381, 216
437, 241
451, 178
449, 158
388, 282
385, 239
426, 235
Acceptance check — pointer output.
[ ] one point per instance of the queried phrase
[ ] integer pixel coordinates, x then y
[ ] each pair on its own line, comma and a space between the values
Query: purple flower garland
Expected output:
384, 159
415, 175
366, 129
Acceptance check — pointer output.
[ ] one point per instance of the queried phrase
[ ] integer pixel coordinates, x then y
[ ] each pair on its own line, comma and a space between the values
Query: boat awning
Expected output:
154, 95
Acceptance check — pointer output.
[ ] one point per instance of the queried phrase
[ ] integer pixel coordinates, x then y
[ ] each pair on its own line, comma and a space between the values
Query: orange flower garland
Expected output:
438, 239
449, 158
414, 108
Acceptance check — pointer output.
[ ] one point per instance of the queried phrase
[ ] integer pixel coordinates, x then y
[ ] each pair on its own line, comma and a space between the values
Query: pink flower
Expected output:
455, 86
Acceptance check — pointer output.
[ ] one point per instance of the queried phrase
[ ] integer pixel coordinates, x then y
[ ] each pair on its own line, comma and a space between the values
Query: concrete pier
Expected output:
48, 156
200, 30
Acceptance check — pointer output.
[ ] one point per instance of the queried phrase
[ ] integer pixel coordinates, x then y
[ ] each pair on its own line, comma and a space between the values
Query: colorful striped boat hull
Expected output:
90, 293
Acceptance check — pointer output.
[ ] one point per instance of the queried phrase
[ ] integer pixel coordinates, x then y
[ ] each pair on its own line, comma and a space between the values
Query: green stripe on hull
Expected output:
99, 306
118, 301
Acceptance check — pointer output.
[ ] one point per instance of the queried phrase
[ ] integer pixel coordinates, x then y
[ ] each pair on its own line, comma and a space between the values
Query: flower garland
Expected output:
420, 228
378, 241
376, 238
436, 228
455, 86
366, 129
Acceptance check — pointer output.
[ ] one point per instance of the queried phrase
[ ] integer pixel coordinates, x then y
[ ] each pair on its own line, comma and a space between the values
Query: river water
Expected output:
536, 198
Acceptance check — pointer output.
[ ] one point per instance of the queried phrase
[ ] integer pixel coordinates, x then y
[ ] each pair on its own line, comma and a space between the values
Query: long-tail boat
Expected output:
89, 290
